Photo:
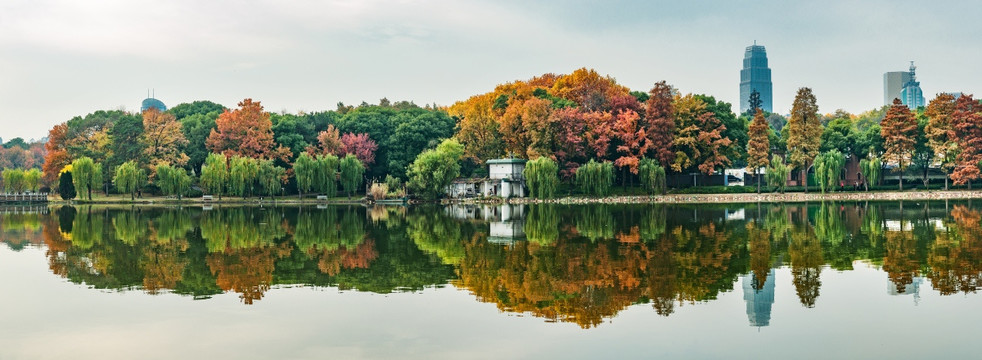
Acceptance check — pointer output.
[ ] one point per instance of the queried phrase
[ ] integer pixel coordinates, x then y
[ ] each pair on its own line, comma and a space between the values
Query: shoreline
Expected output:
741, 198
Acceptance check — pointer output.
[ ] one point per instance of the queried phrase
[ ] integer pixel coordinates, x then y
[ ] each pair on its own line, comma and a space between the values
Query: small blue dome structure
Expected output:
153, 103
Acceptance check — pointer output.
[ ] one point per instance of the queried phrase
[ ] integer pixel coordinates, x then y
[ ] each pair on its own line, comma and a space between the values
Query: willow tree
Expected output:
326, 174
652, 176
13, 180
172, 180
242, 175
804, 133
32, 179
759, 145
86, 174
214, 174
304, 169
870, 168
899, 131
270, 177
828, 167
777, 173
352, 172
542, 177
129, 178
595, 178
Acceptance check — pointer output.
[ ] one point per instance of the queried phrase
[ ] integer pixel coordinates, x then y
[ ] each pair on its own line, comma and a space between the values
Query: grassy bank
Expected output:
125, 199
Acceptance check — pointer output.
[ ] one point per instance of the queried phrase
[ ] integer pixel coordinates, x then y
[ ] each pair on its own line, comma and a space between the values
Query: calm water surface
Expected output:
819, 280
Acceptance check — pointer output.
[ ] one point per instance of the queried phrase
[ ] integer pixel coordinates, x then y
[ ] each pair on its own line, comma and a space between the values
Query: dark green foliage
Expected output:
652, 176
66, 188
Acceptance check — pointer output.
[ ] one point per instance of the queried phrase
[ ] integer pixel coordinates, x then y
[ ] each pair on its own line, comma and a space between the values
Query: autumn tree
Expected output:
660, 115
634, 141
804, 133
328, 142
758, 146
56, 157
967, 123
698, 140
246, 131
899, 128
940, 132
361, 146
162, 138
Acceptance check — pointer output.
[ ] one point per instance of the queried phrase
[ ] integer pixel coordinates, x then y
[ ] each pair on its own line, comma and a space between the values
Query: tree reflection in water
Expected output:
580, 264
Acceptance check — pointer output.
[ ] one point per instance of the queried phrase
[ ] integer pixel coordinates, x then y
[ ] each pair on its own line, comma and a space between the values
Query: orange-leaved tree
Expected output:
660, 115
967, 122
940, 132
898, 129
246, 131
57, 156
698, 138
758, 146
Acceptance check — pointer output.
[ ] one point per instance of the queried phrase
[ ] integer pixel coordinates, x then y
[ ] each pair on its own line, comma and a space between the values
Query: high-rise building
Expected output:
755, 75
759, 298
893, 83
911, 95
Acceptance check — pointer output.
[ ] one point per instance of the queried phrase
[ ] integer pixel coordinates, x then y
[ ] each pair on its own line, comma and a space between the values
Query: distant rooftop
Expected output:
152, 103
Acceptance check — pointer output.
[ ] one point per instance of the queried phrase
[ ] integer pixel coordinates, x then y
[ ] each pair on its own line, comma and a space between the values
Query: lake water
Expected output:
744, 281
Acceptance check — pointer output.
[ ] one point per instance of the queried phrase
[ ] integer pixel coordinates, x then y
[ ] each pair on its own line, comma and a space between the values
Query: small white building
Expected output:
504, 179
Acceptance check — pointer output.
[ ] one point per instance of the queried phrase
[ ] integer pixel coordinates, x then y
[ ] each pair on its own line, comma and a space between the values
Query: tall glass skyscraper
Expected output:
755, 76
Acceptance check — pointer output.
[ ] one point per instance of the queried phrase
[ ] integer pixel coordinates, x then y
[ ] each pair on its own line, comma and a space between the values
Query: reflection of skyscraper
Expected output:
759, 302
755, 75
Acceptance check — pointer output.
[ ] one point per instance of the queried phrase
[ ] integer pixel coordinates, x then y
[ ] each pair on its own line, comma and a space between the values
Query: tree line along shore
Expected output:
583, 134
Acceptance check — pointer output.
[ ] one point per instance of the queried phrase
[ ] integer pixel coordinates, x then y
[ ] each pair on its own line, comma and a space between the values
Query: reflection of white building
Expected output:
914, 288
507, 222
759, 302
504, 179
509, 225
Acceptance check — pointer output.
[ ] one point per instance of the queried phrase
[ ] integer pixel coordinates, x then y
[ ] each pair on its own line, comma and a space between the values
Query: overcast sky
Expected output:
63, 58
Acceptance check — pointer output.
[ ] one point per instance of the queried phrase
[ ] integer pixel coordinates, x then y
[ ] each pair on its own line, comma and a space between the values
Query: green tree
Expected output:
270, 177
129, 178
242, 175
828, 167
870, 168
542, 177
326, 174
13, 180
173, 180
86, 174
215, 174
652, 176
32, 179
66, 186
595, 178
777, 173
304, 170
352, 172
434, 170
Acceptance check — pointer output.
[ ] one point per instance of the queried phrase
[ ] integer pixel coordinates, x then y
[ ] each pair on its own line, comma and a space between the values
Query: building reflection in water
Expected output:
507, 221
759, 298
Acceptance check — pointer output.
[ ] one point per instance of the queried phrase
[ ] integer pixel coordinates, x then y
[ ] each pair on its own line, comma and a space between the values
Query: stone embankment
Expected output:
744, 198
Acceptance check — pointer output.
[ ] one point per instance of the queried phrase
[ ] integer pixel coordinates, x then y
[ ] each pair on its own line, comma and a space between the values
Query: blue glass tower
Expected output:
755, 76
911, 95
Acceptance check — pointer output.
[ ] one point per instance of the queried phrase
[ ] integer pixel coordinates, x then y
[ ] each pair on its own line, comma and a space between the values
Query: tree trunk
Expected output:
758, 179
804, 178
946, 182
901, 180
